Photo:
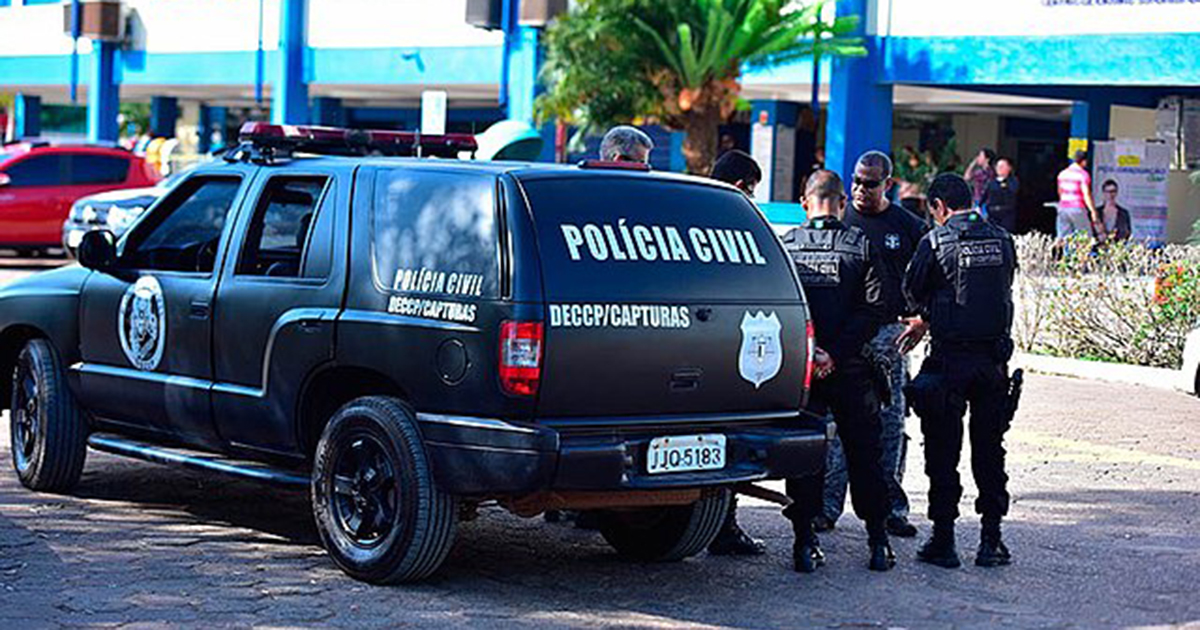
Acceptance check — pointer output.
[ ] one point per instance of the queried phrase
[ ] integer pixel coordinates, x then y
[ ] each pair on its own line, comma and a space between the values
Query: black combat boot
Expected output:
940, 549
991, 552
882, 556
806, 553
732, 541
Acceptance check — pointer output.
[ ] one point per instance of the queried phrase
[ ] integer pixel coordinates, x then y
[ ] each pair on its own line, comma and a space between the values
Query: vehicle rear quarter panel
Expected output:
407, 349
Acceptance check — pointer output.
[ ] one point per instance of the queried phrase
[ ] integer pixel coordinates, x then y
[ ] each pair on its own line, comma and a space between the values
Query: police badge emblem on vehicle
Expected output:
761, 354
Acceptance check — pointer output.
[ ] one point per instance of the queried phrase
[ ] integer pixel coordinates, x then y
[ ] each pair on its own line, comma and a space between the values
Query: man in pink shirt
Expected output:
1076, 212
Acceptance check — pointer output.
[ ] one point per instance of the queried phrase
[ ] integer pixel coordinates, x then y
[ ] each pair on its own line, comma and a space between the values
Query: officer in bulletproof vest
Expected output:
960, 280
740, 170
839, 272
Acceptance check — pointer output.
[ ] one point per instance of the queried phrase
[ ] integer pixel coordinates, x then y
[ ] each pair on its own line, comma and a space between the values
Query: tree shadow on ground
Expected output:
1094, 558
284, 513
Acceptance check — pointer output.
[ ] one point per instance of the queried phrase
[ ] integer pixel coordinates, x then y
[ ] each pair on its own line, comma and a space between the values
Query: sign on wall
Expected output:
1140, 169
433, 112
950, 18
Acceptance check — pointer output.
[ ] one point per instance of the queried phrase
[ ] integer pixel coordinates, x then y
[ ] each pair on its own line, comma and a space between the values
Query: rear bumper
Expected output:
483, 456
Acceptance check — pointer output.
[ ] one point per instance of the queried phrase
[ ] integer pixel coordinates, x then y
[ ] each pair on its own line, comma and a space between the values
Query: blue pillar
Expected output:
204, 129
548, 132
289, 97
328, 111
27, 116
104, 96
164, 111
678, 160
860, 107
773, 131
1090, 120
524, 62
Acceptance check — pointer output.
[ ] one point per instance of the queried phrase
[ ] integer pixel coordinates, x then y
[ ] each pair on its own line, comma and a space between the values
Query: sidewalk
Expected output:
1160, 378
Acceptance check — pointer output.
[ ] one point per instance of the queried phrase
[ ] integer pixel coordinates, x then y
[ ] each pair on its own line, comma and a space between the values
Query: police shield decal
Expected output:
142, 323
761, 355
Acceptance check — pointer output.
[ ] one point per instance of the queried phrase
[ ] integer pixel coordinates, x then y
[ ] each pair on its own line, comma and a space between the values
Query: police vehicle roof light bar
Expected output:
615, 165
339, 141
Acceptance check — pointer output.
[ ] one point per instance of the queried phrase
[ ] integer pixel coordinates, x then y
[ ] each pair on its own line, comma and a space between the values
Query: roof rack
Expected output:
264, 142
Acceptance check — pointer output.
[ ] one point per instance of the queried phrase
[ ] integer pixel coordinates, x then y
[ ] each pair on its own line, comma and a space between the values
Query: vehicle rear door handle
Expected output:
686, 380
199, 309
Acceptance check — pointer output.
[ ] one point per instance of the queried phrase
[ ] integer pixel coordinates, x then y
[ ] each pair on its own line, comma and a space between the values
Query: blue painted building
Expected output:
1020, 76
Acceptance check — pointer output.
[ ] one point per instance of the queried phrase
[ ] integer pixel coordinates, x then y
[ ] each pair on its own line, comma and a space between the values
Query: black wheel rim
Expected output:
26, 423
364, 497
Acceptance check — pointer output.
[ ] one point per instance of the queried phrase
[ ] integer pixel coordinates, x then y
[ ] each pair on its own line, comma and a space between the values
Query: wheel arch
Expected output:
12, 340
330, 387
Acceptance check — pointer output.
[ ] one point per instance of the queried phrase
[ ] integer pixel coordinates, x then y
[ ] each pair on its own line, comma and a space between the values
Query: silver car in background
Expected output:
115, 210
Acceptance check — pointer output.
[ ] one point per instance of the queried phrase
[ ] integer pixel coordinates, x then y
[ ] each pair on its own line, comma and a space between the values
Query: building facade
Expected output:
943, 78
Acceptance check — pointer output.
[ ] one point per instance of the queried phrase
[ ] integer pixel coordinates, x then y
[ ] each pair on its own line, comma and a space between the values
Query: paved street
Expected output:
1106, 485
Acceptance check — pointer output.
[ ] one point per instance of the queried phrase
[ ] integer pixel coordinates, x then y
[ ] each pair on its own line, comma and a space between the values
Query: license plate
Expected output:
74, 238
683, 453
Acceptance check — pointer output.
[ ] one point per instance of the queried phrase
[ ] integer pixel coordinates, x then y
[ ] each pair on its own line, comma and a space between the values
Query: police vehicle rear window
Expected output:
435, 233
644, 239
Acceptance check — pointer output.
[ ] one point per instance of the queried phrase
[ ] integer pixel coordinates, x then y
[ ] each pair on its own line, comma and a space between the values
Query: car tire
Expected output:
47, 429
669, 533
378, 509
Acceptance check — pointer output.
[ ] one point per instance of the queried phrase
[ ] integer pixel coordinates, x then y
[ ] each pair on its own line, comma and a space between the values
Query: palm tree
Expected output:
678, 61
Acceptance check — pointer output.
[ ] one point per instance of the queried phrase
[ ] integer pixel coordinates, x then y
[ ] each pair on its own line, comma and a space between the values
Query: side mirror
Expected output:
98, 250
5, 179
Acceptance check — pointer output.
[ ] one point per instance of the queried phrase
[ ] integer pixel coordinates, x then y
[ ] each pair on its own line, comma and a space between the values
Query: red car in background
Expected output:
39, 182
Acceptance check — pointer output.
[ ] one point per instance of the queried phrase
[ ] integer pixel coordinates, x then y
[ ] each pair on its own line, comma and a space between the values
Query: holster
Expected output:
1016, 383
926, 395
881, 369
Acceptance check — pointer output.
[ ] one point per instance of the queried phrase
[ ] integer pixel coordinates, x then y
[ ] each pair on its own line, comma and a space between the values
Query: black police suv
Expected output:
412, 337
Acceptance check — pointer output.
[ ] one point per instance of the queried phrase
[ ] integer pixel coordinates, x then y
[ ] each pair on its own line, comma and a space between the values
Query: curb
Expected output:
1158, 378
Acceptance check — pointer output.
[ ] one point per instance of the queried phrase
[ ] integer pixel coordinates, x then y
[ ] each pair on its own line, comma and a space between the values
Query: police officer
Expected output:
739, 169
839, 272
625, 143
893, 233
736, 167
960, 280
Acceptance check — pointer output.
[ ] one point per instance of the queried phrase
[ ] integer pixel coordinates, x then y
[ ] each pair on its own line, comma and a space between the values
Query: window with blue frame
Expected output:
4, 3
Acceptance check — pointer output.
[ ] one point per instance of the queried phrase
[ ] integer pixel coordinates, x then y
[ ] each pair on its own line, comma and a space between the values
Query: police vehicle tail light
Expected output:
811, 346
339, 141
521, 357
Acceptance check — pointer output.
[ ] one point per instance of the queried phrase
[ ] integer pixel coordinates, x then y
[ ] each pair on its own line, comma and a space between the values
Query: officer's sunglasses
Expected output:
869, 184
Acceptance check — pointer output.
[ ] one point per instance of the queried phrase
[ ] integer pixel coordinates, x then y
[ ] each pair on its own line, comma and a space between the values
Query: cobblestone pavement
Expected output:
1106, 485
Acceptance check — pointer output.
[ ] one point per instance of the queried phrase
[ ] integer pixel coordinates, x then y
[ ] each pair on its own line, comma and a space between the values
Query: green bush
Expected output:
1121, 302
